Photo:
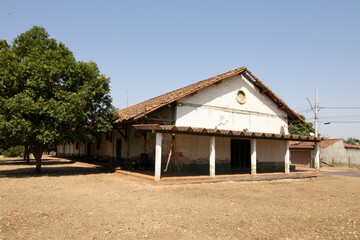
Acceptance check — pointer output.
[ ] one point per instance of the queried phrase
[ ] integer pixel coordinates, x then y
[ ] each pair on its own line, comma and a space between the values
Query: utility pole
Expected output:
316, 147
316, 113
317, 151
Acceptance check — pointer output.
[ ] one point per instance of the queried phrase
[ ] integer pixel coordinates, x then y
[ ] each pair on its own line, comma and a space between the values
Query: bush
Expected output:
17, 151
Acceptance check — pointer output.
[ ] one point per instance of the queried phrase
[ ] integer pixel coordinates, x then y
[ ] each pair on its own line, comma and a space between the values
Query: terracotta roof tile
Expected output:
329, 142
301, 145
310, 145
214, 132
140, 109
351, 146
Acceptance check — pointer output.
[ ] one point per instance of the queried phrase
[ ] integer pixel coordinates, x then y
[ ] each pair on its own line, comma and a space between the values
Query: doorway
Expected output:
118, 149
88, 153
240, 154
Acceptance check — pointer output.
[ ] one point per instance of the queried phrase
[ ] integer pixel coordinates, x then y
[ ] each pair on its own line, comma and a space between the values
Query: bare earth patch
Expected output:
74, 200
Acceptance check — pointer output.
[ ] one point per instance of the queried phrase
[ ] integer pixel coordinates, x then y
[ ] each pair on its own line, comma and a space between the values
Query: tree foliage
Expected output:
352, 141
46, 96
15, 151
301, 129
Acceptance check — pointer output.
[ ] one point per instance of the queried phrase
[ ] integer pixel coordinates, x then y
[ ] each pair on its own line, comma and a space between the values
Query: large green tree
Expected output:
46, 96
301, 129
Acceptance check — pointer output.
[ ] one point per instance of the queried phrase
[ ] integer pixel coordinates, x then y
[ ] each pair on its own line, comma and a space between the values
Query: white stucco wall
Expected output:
105, 147
60, 149
353, 156
270, 150
338, 154
334, 153
70, 149
196, 149
216, 107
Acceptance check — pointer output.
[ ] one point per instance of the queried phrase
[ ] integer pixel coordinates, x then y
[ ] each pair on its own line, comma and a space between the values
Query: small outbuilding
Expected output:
335, 151
332, 151
302, 154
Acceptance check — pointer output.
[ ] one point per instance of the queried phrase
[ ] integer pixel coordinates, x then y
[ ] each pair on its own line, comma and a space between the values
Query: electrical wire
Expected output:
341, 122
354, 116
339, 107
305, 111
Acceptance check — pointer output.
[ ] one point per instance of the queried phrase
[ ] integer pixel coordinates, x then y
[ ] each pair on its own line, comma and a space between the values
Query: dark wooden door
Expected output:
89, 149
240, 153
118, 149
301, 158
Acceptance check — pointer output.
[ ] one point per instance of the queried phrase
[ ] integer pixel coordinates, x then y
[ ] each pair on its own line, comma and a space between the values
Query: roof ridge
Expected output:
152, 104
205, 83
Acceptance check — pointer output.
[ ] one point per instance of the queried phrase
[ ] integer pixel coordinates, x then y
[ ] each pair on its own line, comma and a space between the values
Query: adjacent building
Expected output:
333, 151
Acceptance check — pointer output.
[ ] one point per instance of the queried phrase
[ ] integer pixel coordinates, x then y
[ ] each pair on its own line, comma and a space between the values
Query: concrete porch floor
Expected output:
219, 178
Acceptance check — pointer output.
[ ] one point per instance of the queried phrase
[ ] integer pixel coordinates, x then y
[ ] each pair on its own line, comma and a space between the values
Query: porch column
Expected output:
159, 137
317, 157
253, 156
212, 156
287, 157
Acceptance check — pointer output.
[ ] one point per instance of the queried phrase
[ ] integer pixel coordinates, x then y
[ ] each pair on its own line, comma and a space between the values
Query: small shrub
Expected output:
17, 151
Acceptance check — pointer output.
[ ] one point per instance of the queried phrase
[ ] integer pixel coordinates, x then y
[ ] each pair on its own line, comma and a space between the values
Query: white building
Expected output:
230, 122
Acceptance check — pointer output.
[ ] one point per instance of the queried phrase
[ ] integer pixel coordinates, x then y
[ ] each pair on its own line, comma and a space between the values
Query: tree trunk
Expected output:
38, 151
27, 153
25, 145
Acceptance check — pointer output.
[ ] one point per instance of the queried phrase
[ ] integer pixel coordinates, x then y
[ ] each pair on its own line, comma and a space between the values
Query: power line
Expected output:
339, 107
326, 123
299, 107
354, 116
312, 108
305, 111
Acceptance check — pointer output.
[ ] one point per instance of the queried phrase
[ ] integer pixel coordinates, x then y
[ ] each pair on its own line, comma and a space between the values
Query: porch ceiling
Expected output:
220, 132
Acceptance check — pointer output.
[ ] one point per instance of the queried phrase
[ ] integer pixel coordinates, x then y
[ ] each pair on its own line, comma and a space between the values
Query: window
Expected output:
240, 96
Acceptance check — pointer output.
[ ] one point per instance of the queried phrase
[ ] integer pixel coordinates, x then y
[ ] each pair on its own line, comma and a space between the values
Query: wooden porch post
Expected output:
159, 137
253, 156
317, 157
287, 157
212, 156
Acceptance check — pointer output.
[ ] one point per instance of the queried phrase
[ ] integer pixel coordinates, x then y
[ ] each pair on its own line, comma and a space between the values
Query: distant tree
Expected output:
352, 141
301, 129
46, 96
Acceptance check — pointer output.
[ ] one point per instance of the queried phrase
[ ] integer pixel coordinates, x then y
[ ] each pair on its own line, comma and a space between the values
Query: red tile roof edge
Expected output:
301, 145
329, 142
322, 144
148, 106
351, 146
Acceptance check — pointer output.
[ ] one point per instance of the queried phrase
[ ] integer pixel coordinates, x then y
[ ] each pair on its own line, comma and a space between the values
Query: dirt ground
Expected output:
74, 200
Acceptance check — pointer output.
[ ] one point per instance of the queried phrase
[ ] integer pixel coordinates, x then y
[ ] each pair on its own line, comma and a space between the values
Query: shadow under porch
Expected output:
206, 152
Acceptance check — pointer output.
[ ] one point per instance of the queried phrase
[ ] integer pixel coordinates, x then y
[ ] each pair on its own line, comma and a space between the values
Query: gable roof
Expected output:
138, 110
329, 142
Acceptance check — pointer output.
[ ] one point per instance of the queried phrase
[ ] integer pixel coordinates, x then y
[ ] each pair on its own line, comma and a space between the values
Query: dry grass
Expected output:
77, 201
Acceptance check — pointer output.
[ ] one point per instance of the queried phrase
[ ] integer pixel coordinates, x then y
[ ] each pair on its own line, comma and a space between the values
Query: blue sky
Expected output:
151, 47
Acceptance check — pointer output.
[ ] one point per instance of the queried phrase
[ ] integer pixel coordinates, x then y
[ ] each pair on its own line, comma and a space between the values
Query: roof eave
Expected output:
295, 118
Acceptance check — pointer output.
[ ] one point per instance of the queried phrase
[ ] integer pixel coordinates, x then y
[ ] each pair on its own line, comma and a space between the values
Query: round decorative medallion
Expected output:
240, 96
